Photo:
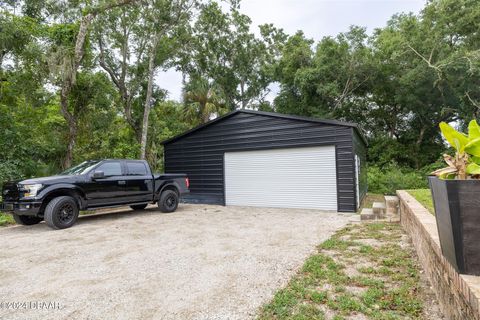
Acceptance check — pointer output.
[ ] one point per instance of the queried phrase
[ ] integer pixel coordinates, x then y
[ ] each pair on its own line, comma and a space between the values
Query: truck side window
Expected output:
136, 169
110, 169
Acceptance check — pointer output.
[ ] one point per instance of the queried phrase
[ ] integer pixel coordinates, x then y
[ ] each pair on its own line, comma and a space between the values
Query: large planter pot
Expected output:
457, 210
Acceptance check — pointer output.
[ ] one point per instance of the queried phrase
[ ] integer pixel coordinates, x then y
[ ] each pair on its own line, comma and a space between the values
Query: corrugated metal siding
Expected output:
285, 178
200, 154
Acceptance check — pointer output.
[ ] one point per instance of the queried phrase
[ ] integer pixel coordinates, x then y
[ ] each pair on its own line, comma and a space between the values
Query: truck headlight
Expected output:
31, 190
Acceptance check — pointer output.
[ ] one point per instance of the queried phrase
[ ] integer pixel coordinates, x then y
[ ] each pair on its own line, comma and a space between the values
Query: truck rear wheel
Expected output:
26, 220
61, 212
168, 201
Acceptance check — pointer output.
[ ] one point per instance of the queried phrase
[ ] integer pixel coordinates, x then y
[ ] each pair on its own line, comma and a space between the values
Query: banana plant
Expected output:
466, 162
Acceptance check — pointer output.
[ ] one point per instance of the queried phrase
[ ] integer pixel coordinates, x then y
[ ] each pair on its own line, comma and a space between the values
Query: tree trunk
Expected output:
69, 81
119, 81
418, 145
242, 93
72, 128
131, 121
72, 139
204, 115
147, 106
420, 137
70, 75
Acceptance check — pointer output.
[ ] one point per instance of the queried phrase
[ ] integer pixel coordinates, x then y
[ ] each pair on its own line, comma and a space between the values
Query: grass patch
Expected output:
381, 281
6, 219
369, 199
424, 196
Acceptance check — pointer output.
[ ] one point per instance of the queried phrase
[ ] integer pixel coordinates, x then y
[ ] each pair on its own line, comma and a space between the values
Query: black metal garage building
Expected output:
242, 157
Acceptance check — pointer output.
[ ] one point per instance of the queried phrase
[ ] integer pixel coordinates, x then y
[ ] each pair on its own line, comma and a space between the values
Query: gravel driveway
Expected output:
201, 262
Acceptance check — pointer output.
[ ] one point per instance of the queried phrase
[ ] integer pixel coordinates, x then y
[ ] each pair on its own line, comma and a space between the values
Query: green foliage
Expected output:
398, 84
63, 34
473, 147
467, 152
456, 139
473, 169
21, 29
30, 141
392, 177
473, 130
167, 120
34, 133
224, 51
6, 219
203, 99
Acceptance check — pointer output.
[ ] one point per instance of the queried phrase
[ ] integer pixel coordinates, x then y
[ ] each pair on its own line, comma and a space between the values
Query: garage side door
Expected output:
283, 178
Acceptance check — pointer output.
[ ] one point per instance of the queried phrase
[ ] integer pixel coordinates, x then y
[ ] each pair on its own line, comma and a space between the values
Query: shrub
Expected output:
8, 171
5, 219
466, 162
392, 177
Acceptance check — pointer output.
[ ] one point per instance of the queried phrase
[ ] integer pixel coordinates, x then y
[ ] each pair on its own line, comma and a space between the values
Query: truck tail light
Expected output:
187, 182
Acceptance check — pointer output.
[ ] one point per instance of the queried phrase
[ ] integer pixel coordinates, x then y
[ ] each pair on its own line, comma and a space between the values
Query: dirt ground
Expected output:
201, 262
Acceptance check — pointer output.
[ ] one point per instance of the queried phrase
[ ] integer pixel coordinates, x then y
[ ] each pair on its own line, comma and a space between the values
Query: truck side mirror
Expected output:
98, 175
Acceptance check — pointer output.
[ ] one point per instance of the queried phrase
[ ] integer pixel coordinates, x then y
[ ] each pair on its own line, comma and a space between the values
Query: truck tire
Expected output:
61, 212
168, 201
139, 206
26, 220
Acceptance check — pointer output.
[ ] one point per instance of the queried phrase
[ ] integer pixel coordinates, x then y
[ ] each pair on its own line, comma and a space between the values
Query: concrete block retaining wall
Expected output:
458, 294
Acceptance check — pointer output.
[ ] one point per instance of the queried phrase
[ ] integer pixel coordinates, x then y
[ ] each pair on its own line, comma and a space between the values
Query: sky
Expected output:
316, 18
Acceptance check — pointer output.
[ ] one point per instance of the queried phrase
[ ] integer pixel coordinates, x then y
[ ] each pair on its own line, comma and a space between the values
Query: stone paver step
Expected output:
379, 209
367, 214
391, 201
392, 205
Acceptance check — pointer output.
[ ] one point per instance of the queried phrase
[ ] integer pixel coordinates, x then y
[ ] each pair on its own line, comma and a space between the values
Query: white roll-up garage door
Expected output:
282, 178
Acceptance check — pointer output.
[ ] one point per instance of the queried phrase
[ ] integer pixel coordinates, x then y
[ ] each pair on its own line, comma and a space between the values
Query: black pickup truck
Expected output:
91, 185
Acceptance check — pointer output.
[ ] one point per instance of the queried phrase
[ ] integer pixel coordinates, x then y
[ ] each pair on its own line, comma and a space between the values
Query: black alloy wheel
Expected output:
61, 212
168, 201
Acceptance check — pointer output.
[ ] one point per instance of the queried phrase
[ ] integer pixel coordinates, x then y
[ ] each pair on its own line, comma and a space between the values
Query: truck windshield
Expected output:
81, 168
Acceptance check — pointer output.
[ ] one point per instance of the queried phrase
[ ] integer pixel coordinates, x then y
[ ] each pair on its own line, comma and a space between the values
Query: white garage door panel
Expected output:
285, 178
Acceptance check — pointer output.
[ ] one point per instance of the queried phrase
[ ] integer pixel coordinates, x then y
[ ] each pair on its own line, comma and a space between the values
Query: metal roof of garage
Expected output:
270, 114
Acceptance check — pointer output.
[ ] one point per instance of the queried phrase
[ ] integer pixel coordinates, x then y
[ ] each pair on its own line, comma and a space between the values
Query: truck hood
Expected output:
11, 191
48, 180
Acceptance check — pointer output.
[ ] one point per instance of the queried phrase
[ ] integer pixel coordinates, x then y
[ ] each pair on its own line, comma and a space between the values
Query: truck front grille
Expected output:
10, 192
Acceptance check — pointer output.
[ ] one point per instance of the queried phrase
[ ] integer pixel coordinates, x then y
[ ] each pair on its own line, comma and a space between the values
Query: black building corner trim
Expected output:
224, 186
337, 173
356, 194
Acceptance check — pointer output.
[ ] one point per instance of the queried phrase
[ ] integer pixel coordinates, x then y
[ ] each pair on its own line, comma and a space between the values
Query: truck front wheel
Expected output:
26, 220
168, 201
61, 213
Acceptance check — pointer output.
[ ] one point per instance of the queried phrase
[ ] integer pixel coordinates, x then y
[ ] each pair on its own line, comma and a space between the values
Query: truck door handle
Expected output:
122, 182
